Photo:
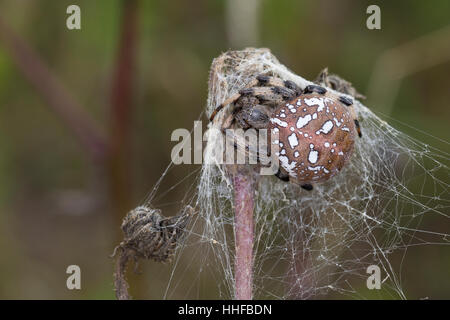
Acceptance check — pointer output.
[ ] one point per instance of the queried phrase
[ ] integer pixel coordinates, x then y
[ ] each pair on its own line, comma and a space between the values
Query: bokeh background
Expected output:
86, 117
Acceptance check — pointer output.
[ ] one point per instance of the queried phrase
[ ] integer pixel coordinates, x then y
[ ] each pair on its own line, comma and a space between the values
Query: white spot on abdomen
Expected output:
326, 127
316, 101
315, 169
313, 156
337, 122
303, 121
292, 108
279, 122
293, 141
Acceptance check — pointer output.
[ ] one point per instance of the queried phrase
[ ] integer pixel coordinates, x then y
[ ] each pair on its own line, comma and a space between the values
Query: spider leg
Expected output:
322, 78
236, 115
313, 88
272, 90
358, 128
269, 81
284, 92
277, 82
345, 100
273, 96
293, 86
282, 176
265, 95
231, 99
349, 102
228, 122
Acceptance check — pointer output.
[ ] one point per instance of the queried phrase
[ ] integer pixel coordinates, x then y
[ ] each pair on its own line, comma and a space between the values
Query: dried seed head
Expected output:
316, 137
150, 235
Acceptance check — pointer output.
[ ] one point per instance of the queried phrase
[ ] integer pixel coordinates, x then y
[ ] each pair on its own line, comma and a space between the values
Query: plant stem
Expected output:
121, 111
120, 135
58, 98
120, 283
243, 229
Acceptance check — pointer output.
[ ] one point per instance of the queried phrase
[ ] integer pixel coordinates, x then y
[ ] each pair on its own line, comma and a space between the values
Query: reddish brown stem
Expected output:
54, 93
121, 111
123, 79
243, 228
120, 126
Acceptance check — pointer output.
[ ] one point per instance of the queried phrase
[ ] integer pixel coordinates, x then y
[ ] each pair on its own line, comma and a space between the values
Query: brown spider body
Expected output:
316, 137
316, 128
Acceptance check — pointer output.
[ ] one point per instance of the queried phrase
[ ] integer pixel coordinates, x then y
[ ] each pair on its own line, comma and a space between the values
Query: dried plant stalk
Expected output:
243, 229
147, 235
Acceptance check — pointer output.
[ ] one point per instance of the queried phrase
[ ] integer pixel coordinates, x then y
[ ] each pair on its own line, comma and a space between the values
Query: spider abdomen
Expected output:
316, 137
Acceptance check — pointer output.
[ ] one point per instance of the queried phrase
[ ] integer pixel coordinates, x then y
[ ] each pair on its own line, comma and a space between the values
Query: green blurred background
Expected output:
139, 70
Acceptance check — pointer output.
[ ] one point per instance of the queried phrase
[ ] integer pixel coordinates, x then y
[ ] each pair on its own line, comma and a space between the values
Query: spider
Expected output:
316, 127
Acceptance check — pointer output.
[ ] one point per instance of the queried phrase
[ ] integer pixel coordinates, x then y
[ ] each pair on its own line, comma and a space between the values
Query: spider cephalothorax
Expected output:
316, 128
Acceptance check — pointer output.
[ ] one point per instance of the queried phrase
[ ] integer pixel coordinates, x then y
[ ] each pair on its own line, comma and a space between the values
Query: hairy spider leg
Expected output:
287, 89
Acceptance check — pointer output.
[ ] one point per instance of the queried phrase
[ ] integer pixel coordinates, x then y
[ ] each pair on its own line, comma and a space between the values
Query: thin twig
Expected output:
120, 282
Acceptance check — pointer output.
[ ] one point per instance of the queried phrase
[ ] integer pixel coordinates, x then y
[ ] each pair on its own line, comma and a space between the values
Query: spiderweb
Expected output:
308, 244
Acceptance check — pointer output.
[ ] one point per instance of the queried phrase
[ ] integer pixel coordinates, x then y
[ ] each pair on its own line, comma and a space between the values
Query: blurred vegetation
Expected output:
56, 207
